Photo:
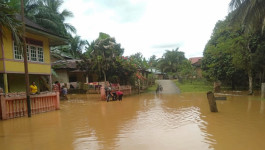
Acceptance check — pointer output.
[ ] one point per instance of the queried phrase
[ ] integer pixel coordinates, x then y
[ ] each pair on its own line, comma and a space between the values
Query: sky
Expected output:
149, 26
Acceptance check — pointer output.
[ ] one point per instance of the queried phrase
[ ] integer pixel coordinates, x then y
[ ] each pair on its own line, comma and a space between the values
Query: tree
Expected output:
187, 70
102, 53
171, 61
8, 20
217, 62
152, 62
73, 49
250, 13
139, 60
229, 54
47, 14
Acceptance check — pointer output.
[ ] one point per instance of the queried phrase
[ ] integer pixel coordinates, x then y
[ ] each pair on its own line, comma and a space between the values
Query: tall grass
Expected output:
198, 85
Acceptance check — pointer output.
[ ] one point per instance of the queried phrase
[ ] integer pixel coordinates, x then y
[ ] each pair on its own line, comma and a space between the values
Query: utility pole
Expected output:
25, 58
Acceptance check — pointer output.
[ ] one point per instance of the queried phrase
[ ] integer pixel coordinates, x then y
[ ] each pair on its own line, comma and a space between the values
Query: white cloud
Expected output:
149, 26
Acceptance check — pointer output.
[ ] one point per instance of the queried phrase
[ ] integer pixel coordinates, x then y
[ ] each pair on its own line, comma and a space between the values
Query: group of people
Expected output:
62, 90
57, 87
115, 95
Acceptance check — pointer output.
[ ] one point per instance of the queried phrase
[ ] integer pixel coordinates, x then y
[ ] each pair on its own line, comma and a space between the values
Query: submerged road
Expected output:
169, 87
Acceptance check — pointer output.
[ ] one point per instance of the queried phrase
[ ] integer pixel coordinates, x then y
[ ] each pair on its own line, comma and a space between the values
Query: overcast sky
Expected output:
149, 26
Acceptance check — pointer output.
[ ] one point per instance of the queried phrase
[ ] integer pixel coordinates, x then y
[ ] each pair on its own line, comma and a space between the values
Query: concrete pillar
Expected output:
5, 83
87, 79
263, 90
50, 82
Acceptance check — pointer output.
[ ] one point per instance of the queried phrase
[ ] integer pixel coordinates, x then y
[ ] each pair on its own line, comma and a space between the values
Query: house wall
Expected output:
1, 66
62, 76
17, 83
78, 75
17, 66
93, 77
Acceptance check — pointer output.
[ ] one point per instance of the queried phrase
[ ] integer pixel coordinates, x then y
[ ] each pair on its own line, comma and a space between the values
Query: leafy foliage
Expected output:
8, 20
171, 61
101, 54
229, 54
47, 14
250, 13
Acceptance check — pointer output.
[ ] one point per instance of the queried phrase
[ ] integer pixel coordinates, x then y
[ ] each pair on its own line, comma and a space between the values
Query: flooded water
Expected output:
141, 122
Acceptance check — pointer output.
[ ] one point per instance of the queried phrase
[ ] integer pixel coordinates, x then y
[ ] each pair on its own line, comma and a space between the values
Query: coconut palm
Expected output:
171, 60
249, 12
8, 20
76, 46
103, 53
47, 14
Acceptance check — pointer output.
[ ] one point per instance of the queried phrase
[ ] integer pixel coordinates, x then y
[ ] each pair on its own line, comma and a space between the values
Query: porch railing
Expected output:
15, 105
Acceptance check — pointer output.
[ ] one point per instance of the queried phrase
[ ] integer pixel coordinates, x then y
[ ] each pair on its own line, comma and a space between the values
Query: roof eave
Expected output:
54, 40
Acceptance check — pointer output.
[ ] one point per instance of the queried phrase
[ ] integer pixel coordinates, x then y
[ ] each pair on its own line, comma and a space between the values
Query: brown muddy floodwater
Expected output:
141, 122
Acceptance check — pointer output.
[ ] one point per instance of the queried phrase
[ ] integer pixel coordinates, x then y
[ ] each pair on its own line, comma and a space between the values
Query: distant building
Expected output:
158, 74
196, 62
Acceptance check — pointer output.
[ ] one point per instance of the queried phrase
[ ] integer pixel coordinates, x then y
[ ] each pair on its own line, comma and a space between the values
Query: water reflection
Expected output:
147, 121
261, 106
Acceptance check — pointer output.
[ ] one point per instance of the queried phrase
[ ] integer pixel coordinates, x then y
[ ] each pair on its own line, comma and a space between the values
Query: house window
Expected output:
34, 53
40, 54
28, 56
17, 53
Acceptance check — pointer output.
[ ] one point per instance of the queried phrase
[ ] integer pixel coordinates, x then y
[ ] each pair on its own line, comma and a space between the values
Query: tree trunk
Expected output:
105, 78
25, 58
262, 78
250, 82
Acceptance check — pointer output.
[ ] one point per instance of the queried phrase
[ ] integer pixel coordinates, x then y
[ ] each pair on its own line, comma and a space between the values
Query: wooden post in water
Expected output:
3, 107
212, 103
217, 86
263, 90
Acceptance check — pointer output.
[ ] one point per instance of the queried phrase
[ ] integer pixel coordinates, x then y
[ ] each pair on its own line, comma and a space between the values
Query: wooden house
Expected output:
196, 62
38, 40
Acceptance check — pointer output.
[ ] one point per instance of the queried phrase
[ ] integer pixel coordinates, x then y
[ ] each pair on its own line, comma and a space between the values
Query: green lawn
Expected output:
194, 86
151, 88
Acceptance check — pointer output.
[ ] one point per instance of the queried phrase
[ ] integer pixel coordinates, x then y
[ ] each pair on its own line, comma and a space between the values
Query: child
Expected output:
64, 92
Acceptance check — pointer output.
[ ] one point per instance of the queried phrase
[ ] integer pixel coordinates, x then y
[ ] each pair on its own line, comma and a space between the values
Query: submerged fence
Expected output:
15, 105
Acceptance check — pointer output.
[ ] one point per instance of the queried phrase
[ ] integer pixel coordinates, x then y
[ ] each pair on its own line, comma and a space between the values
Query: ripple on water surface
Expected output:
146, 121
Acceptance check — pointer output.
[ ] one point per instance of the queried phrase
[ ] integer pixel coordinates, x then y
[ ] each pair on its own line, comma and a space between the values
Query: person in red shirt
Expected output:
119, 95
59, 86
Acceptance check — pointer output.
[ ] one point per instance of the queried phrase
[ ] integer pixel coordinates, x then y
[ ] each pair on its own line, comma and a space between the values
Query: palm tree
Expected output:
250, 13
76, 46
171, 60
47, 14
8, 20
103, 53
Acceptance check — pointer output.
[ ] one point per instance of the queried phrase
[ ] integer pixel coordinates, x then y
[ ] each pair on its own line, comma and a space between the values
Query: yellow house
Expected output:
39, 40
